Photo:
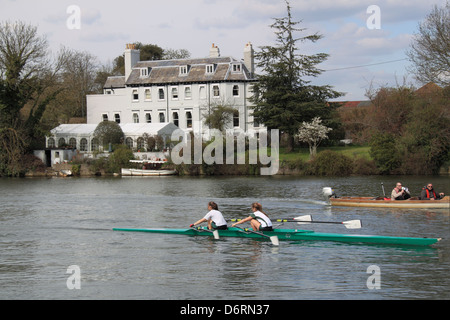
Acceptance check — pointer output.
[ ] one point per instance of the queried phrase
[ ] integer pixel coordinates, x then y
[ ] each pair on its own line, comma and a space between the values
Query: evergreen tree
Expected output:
283, 98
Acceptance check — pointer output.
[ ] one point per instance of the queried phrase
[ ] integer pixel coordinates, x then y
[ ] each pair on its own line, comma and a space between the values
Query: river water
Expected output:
50, 224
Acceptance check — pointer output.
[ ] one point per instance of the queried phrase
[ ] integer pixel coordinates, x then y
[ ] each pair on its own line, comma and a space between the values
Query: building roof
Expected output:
168, 71
115, 82
354, 104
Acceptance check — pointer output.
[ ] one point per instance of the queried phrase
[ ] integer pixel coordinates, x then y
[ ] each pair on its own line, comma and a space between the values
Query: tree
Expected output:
282, 97
79, 74
430, 50
219, 115
425, 142
27, 86
313, 133
384, 152
108, 132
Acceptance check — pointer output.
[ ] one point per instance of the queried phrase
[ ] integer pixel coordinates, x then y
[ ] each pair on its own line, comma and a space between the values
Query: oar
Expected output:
200, 229
273, 239
351, 224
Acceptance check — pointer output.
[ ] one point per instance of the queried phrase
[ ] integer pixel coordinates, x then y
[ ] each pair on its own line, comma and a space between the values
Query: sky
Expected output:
366, 45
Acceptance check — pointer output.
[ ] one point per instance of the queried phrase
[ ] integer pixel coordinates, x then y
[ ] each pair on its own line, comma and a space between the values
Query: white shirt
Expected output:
262, 218
217, 217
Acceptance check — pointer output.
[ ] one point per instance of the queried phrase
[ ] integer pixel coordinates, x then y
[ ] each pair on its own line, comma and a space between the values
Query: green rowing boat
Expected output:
294, 235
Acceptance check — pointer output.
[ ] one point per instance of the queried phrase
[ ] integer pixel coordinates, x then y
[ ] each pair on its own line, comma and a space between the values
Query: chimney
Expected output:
214, 52
249, 58
132, 56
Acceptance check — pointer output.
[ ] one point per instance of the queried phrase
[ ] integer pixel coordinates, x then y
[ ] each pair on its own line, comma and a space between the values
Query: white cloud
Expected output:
193, 25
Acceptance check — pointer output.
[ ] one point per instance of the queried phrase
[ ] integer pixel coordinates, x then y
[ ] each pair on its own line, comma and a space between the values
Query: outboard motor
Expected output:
328, 193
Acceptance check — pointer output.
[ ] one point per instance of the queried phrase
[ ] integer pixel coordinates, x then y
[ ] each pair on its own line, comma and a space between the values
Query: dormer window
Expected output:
145, 72
237, 67
209, 69
183, 70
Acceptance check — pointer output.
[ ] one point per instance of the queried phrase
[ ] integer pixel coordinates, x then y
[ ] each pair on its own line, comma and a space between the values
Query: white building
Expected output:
180, 92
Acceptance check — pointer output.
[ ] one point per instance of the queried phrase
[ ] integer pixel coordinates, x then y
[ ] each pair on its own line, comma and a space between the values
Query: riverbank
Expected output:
348, 162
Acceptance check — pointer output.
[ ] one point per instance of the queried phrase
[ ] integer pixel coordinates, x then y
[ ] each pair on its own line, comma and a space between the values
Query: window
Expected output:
73, 143
148, 94
135, 118
144, 72
183, 70
255, 122
187, 93
209, 68
236, 118
51, 143
216, 91
236, 91
202, 92
117, 117
129, 142
94, 144
189, 119
161, 94
148, 118
140, 143
175, 118
174, 93
162, 117
237, 67
83, 145
135, 95
105, 117
61, 142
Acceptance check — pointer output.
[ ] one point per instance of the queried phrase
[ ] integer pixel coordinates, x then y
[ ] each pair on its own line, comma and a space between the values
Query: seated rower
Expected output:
214, 218
258, 219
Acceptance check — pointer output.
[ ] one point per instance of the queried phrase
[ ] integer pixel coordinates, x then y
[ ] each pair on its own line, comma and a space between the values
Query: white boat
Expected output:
144, 172
65, 173
150, 168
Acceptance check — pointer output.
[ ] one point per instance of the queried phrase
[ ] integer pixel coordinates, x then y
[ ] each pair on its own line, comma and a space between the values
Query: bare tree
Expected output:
79, 75
430, 50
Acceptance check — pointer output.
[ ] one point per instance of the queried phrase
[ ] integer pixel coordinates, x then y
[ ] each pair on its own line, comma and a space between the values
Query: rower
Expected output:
214, 218
258, 219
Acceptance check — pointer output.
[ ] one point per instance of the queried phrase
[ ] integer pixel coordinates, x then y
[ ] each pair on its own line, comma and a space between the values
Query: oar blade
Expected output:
352, 224
303, 219
275, 241
216, 234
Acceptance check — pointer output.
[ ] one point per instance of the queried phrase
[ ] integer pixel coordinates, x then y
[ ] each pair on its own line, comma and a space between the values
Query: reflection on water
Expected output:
47, 225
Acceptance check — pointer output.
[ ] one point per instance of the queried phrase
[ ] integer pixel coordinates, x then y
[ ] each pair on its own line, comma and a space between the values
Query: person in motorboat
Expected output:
428, 193
214, 217
259, 220
400, 193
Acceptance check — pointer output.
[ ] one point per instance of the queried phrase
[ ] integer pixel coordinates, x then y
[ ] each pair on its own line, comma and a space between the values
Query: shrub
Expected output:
383, 150
330, 163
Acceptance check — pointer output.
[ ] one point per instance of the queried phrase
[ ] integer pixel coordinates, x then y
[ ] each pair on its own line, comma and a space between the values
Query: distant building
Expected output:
180, 91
